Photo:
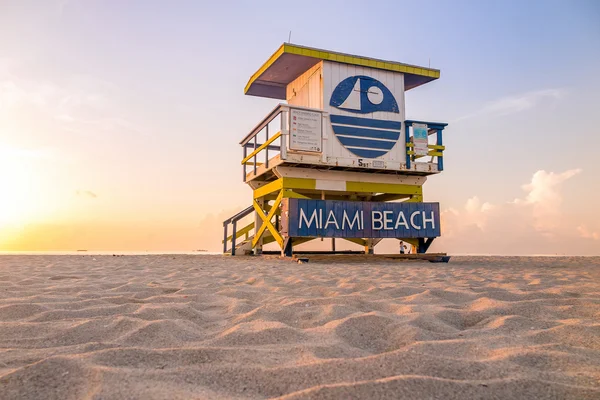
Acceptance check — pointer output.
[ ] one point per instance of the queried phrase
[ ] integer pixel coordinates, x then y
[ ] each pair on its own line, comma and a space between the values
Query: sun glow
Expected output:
18, 203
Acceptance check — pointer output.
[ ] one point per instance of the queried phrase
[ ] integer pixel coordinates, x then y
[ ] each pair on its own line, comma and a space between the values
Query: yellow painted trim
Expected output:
358, 60
262, 147
290, 194
285, 183
436, 147
370, 187
299, 183
241, 232
268, 188
267, 224
342, 58
410, 144
264, 67
418, 198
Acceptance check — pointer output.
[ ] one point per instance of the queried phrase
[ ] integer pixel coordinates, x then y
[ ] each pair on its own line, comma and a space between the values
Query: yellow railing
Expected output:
261, 148
436, 150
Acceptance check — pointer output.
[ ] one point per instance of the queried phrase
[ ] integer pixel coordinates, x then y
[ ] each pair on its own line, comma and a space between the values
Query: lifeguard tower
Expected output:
338, 159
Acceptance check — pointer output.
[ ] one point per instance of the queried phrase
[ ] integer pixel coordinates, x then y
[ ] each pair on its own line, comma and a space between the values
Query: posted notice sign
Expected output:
359, 219
305, 130
420, 139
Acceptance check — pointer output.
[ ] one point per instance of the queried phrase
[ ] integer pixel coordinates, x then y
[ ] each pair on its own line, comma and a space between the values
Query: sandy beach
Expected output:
198, 326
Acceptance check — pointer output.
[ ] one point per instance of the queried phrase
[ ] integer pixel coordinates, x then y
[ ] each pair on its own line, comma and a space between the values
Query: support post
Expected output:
225, 237
439, 143
333, 244
287, 249
233, 235
369, 247
407, 140
267, 148
244, 168
420, 245
257, 224
254, 159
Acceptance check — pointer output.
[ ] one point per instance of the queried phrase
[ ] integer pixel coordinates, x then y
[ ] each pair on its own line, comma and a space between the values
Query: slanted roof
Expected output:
291, 60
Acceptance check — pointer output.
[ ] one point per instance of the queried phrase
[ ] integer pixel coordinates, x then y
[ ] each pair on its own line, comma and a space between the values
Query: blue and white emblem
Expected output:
364, 137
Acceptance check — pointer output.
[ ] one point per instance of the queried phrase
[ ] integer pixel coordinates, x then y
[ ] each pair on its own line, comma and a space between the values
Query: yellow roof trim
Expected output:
264, 67
342, 58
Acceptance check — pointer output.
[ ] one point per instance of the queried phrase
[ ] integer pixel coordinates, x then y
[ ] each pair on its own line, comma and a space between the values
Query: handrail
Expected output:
239, 215
270, 116
241, 232
431, 125
233, 220
265, 121
262, 147
437, 149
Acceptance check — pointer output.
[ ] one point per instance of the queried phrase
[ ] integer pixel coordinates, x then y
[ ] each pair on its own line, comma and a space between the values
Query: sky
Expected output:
120, 121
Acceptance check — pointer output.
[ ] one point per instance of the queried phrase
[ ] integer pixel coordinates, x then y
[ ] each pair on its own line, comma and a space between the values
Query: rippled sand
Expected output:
171, 327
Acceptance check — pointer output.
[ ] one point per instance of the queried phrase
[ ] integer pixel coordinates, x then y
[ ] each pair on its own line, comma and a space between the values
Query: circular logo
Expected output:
364, 136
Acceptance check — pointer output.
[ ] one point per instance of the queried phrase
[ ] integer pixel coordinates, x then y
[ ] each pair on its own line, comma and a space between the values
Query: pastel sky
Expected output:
120, 121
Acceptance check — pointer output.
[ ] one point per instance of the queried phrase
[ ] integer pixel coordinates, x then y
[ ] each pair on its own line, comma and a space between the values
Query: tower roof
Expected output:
291, 60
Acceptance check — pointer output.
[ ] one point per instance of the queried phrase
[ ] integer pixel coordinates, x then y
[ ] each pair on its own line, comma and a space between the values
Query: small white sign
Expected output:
420, 140
305, 130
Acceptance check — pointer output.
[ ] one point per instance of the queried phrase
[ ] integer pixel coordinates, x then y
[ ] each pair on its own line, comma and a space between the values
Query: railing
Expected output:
259, 156
434, 150
268, 145
251, 140
236, 234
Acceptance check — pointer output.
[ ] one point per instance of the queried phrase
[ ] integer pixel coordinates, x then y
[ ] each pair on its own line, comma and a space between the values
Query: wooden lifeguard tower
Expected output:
338, 159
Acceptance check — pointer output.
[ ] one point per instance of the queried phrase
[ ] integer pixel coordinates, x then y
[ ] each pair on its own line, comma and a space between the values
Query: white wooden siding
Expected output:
314, 88
306, 90
333, 74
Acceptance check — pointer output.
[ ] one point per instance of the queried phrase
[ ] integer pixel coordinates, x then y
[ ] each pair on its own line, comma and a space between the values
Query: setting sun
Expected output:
17, 200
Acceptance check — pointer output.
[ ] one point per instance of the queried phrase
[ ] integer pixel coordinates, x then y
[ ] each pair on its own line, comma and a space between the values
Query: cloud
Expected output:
86, 193
515, 104
545, 198
533, 223
585, 233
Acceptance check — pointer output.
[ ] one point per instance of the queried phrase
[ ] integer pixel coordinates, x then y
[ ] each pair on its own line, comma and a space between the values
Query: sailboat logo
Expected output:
364, 137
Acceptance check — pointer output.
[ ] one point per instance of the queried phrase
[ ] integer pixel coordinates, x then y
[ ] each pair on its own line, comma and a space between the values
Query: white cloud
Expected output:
476, 212
535, 223
515, 104
544, 196
585, 233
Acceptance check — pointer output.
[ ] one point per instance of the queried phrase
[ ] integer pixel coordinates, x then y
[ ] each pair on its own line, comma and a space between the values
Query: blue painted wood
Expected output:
366, 122
366, 132
346, 88
368, 143
367, 153
379, 219
368, 220
407, 140
431, 125
439, 142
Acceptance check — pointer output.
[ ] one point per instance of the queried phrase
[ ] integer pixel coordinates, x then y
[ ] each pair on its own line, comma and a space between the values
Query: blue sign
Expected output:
364, 137
361, 219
